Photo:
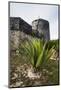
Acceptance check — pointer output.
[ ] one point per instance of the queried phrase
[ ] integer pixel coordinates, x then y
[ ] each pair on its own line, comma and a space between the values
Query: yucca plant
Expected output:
37, 52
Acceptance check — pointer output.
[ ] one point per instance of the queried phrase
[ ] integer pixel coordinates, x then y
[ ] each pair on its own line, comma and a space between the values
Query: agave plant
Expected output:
37, 52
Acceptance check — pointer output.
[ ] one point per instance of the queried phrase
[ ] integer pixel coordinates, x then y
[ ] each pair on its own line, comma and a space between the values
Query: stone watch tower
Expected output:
40, 27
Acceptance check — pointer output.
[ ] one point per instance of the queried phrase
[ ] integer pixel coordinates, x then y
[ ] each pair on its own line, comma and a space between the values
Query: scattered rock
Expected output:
15, 76
18, 84
33, 75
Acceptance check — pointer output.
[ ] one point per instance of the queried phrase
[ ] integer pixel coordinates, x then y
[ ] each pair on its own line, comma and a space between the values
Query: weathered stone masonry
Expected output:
41, 28
20, 30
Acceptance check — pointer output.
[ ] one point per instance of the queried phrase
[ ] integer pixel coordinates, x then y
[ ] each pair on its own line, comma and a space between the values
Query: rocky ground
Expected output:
23, 74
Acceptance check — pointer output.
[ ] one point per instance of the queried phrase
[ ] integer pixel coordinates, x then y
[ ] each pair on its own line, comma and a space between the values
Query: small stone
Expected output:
18, 68
51, 73
19, 83
47, 71
15, 76
24, 74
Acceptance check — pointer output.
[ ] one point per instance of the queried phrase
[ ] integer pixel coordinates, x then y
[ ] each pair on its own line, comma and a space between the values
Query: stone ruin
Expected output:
41, 29
20, 30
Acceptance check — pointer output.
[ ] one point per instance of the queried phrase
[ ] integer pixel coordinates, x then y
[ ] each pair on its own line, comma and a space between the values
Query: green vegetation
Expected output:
35, 54
38, 52
55, 43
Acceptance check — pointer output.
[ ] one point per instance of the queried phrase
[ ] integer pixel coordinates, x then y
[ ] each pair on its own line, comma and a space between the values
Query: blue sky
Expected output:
30, 12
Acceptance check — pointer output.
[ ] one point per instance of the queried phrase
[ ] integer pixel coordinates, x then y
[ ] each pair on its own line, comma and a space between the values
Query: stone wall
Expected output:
17, 37
17, 23
14, 39
14, 23
21, 30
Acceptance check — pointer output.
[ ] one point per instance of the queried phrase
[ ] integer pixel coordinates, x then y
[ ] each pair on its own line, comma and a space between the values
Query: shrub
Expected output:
36, 51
